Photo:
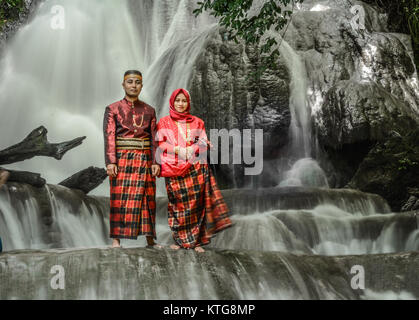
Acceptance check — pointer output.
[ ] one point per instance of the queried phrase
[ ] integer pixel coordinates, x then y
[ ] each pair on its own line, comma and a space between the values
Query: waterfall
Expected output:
20, 220
300, 128
79, 224
317, 221
298, 168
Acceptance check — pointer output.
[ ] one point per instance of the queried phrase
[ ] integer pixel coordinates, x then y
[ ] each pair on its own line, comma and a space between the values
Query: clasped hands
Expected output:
185, 153
188, 152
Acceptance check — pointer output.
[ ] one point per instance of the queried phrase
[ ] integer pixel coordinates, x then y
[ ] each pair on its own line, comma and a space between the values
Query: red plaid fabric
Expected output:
196, 207
133, 191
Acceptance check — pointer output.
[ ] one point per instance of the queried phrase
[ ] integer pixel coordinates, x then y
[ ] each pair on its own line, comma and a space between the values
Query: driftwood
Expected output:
36, 144
31, 178
85, 180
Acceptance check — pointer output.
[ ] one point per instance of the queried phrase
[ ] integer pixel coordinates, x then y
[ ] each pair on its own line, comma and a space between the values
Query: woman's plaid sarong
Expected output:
133, 202
196, 209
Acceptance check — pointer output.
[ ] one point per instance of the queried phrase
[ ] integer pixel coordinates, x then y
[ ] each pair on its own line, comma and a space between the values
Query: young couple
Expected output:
137, 150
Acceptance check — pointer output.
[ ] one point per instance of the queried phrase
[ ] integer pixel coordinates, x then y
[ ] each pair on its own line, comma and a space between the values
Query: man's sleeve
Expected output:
109, 129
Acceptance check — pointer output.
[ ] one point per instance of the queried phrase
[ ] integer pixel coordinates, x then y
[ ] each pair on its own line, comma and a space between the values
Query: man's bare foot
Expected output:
174, 247
199, 249
116, 243
4, 175
152, 244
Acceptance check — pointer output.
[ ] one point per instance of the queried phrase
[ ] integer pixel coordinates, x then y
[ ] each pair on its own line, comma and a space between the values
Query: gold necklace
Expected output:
187, 137
135, 123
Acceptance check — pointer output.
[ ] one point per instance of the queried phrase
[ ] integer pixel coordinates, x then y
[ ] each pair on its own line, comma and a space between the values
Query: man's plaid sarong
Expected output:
196, 209
133, 202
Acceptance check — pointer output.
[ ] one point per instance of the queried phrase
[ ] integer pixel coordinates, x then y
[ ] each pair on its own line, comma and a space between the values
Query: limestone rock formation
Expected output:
227, 96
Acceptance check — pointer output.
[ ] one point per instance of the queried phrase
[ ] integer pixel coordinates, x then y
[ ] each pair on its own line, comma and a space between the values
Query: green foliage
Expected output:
412, 14
406, 163
234, 15
403, 152
10, 9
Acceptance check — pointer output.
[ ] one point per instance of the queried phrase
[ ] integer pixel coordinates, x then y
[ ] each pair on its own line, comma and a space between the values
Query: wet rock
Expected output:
138, 273
85, 180
390, 169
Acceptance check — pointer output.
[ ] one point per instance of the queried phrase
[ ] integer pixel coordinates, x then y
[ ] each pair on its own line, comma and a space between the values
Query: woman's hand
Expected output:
189, 152
210, 145
112, 170
182, 152
185, 153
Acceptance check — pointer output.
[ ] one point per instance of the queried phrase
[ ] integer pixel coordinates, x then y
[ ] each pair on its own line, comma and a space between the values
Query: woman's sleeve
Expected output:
164, 143
201, 146
109, 129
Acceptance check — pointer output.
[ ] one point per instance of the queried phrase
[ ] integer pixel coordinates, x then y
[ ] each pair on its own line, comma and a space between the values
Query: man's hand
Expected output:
112, 170
155, 169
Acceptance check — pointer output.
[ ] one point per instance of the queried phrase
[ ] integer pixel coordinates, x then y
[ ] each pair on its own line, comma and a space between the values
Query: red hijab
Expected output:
177, 116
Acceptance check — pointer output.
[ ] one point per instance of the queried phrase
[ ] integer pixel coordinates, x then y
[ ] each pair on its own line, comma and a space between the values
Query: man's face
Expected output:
133, 85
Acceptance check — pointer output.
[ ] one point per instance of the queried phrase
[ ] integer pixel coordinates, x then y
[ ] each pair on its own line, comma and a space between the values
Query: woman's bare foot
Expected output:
199, 249
155, 246
116, 243
174, 247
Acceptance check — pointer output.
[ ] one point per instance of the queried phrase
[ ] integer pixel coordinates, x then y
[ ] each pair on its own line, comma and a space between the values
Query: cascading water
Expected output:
298, 166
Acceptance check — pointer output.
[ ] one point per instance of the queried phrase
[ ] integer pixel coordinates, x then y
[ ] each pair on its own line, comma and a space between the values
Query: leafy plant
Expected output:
406, 163
250, 25
10, 10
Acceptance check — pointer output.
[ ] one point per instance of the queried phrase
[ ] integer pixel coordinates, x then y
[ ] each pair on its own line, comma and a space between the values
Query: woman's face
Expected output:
181, 103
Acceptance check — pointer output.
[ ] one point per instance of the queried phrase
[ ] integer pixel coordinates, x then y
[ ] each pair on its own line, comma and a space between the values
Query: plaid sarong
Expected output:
133, 202
196, 209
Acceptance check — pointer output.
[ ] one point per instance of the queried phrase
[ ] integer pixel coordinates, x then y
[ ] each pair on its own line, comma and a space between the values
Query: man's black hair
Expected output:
138, 73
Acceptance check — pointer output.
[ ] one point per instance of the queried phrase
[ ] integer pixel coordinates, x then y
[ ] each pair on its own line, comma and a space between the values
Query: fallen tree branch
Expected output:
36, 144
34, 179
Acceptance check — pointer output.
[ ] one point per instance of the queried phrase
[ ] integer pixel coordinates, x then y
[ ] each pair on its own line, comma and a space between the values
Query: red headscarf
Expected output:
177, 116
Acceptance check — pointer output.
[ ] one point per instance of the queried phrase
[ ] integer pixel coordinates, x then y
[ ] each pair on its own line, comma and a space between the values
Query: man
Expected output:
129, 129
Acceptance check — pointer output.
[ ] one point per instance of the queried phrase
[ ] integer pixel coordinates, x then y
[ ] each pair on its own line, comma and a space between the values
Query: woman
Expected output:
196, 209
